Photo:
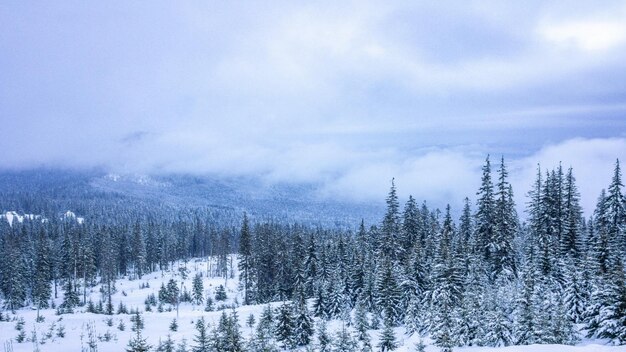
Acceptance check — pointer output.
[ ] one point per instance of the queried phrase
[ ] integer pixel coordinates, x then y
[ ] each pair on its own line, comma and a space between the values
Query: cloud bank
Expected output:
342, 95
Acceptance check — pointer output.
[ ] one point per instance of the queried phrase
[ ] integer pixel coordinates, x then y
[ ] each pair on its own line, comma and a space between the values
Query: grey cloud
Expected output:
343, 95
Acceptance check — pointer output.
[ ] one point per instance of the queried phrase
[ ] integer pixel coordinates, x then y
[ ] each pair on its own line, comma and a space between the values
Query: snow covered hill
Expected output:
111, 333
35, 191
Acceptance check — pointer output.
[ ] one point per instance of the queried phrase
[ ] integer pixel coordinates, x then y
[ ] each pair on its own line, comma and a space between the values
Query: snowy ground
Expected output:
157, 324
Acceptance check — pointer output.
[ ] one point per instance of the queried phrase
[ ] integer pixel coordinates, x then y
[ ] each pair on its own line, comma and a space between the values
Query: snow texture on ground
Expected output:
130, 293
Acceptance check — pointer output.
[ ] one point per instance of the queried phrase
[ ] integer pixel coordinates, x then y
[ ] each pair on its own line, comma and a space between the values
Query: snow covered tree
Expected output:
360, 321
506, 226
389, 296
285, 326
138, 344
485, 226
388, 338
245, 257
410, 225
616, 212
41, 286
167, 345
324, 340
343, 341
571, 239
390, 246
303, 325
499, 328
220, 293
198, 289
138, 251
201, 339
13, 270
607, 314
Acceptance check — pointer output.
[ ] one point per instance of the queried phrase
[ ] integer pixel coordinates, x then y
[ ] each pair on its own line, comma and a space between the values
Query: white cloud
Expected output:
345, 95
448, 175
586, 35
592, 160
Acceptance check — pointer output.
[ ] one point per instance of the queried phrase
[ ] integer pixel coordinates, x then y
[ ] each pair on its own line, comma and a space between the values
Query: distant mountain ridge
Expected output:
280, 201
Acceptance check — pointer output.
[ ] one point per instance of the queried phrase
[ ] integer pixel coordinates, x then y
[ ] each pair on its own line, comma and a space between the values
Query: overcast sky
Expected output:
344, 95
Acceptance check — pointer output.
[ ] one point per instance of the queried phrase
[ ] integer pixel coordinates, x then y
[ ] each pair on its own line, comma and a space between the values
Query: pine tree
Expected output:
137, 320
245, 257
41, 285
525, 322
108, 272
602, 247
447, 288
324, 341
198, 289
390, 244
616, 212
201, 339
138, 251
343, 341
285, 326
266, 321
607, 314
506, 224
388, 338
410, 225
13, 271
138, 344
233, 339
576, 291
499, 329
220, 293
174, 325
485, 217
571, 240
167, 345
360, 321
465, 235
389, 296
303, 325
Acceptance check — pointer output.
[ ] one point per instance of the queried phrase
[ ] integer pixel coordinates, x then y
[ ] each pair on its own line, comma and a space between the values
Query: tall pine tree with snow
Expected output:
201, 339
245, 257
388, 338
506, 226
285, 326
616, 212
485, 221
390, 245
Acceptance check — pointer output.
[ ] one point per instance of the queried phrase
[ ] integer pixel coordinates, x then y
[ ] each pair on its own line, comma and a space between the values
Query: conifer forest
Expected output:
312, 176
488, 277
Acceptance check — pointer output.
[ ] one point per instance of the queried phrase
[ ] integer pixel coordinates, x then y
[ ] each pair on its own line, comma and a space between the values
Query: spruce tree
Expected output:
616, 212
607, 314
138, 344
285, 326
245, 257
303, 325
138, 251
388, 338
389, 296
324, 341
506, 224
485, 221
343, 341
198, 289
41, 285
201, 339
571, 240
390, 245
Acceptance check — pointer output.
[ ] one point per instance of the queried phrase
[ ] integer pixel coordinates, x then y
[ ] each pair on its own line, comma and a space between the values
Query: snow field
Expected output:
129, 292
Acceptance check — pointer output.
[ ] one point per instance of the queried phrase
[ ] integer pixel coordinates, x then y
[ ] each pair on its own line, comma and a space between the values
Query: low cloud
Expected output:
341, 95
